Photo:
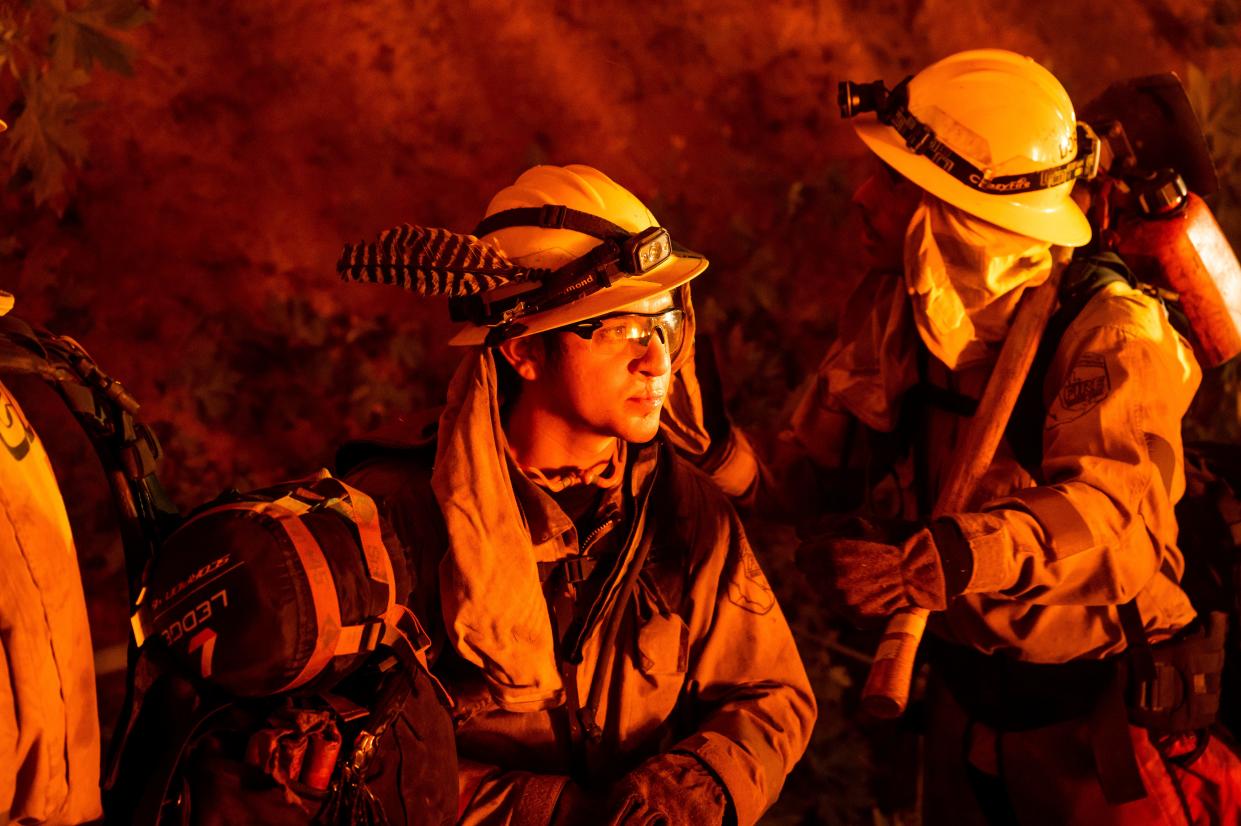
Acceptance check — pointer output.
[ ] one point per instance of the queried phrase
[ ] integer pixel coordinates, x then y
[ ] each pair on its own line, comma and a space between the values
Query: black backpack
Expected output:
233, 713
280, 677
1209, 516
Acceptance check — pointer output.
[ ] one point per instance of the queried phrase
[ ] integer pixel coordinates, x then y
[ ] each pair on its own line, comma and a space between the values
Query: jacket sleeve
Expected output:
753, 705
1103, 525
491, 795
49, 725
817, 464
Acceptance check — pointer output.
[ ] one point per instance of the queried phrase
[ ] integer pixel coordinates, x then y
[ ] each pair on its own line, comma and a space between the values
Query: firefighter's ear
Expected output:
525, 355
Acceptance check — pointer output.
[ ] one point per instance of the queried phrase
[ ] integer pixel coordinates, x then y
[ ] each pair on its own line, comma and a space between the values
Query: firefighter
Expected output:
613, 649
49, 725
1057, 572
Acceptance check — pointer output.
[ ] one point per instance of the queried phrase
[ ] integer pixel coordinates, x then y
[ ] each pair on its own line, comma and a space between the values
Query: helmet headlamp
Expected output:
621, 254
891, 108
856, 98
648, 249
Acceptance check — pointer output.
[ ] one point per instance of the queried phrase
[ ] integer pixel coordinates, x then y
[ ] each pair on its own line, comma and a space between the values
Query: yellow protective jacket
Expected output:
703, 662
49, 725
1054, 556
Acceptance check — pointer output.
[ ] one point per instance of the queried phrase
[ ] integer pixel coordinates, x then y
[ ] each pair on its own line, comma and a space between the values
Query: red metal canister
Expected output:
1179, 246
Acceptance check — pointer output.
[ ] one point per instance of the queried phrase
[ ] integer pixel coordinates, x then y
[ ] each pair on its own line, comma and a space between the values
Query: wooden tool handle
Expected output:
887, 687
891, 674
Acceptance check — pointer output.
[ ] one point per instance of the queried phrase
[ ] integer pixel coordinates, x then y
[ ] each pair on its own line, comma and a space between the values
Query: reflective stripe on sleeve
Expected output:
1068, 531
1163, 456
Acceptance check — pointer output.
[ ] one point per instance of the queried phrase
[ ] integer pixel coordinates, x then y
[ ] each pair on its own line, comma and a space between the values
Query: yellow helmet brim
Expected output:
1046, 214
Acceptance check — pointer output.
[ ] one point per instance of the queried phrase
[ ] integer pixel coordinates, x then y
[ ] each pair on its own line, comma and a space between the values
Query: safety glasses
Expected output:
630, 333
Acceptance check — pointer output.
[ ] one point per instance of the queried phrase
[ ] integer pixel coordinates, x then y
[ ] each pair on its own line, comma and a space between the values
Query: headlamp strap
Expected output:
579, 278
622, 253
552, 216
922, 140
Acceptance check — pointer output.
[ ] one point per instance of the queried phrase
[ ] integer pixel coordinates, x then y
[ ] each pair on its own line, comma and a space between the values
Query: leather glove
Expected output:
575, 807
667, 790
870, 570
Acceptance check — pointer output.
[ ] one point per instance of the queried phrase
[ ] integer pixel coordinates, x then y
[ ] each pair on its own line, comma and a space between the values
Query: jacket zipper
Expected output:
574, 655
600, 530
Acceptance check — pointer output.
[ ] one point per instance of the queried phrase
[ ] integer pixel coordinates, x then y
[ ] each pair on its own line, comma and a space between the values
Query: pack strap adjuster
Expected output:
573, 569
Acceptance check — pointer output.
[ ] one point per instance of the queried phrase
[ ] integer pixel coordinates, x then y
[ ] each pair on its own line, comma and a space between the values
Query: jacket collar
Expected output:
546, 520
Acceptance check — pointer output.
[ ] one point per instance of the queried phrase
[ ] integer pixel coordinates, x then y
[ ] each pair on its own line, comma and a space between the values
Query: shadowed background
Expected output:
193, 251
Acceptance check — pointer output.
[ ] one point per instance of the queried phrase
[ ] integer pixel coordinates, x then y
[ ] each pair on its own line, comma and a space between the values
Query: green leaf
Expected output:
45, 136
124, 14
17, 49
88, 35
78, 41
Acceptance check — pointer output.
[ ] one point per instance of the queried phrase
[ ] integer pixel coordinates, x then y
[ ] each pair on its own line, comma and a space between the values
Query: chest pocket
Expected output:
663, 637
663, 646
655, 681
656, 662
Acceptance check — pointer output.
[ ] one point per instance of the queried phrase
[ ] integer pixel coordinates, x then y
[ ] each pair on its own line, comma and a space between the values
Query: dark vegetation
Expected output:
182, 177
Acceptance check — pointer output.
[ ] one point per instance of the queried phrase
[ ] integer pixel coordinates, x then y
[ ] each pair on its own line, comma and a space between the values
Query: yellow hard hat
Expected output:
989, 131
550, 219
6, 302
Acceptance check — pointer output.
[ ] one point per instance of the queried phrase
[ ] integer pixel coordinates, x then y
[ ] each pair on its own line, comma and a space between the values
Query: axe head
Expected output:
1149, 124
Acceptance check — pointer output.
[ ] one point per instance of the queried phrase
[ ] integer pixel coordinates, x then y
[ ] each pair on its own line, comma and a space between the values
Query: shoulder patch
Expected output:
1088, 384
749, 588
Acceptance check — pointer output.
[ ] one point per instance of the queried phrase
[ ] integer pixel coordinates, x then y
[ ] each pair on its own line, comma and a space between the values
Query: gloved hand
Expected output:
575, 807
869, 570
667, 790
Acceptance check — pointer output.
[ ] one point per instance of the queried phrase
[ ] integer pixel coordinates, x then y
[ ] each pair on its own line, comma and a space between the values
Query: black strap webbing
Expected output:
1082, 280
922, 140
1116, 762
959, 404
552, 216
574, 569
